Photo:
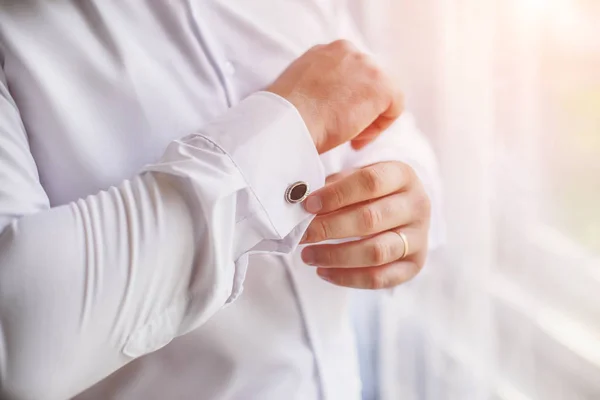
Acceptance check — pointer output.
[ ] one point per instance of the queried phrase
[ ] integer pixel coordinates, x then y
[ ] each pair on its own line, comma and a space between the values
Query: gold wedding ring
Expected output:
405, 243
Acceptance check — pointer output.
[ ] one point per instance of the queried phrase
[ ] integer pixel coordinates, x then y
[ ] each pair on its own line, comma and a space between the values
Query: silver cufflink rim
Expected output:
288, 192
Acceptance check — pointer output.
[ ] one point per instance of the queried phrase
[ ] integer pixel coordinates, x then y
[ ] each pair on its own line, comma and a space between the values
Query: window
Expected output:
509, 92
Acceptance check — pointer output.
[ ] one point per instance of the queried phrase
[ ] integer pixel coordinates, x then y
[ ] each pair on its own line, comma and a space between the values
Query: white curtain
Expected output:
509, 93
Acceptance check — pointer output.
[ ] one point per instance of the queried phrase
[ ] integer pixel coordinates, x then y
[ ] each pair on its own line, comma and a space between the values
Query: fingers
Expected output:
368, 183
373, 278
396, 105
382, 123
386, 119
372, 132
338, 176
361, 220
377, 250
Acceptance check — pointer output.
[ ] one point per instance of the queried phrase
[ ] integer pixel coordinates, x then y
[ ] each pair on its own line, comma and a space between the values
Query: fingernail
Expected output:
313, 204
308, 256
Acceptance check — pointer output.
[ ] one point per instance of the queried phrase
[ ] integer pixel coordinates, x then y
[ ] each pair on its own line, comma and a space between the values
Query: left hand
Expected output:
374, 203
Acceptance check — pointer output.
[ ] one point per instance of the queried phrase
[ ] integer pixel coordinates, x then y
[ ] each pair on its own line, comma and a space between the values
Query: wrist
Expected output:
309, 113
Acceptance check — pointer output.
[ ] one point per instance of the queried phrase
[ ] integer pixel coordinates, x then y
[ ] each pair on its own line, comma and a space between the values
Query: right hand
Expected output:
341, 94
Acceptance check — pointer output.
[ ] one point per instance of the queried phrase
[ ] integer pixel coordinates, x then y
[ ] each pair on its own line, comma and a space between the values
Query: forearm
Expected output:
89, 286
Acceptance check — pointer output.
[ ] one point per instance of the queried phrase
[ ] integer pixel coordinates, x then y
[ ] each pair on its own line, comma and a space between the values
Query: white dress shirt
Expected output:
142, 180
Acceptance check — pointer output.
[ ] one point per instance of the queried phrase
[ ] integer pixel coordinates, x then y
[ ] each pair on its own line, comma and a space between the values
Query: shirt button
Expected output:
297, 192
229, 68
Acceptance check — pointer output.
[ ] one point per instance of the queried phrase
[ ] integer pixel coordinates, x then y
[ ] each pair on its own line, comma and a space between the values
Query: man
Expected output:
152, 163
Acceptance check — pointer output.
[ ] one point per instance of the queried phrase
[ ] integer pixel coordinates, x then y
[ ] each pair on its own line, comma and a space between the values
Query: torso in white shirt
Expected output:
117, 81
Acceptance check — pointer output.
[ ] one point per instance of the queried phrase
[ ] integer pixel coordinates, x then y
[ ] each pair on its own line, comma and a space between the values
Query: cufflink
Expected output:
297, 192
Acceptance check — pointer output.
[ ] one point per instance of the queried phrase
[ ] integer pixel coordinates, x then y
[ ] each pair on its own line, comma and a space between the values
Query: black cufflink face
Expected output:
297, 192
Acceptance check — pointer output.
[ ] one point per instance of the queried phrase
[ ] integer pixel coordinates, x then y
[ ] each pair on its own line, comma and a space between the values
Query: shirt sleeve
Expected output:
87, 287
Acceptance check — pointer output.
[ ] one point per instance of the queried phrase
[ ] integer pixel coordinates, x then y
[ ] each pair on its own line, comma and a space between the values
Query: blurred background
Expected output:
508, 91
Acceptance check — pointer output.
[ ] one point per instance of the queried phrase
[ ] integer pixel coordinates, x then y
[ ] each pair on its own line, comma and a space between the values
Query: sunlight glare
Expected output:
533, 8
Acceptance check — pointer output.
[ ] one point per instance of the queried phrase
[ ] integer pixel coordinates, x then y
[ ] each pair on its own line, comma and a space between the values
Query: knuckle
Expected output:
323, 230
362, 59
410, 173
405, 171
343, 45
422, 204
377, 281
371, 218
372, 179
373, 71
337, 197
379, 253
406, 175
327, 257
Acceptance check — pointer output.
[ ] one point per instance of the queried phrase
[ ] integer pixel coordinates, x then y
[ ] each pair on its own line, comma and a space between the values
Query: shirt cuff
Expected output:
269, 143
